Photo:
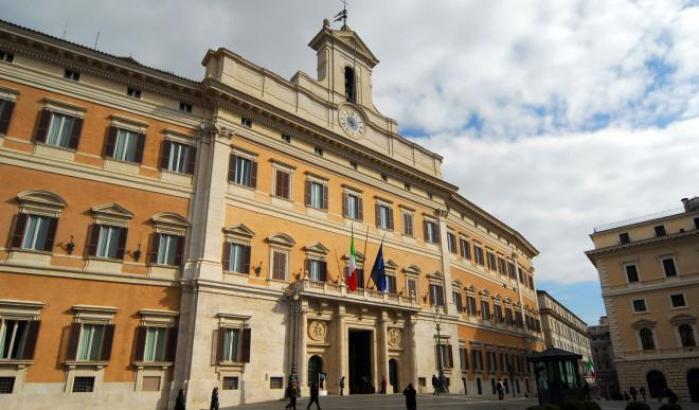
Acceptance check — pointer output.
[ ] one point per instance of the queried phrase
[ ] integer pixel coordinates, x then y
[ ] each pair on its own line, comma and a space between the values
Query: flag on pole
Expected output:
352, 268
378, 272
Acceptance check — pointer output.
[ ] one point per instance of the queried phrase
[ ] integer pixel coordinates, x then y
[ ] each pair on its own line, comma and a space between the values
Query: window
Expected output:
465, 249
511, 271
508, 316
384, 177
431, 232
456, 296
485, 310
498, 313
318, 151
317, 270
354, 165
316, 195
286, 138
246, 122
677, 300
436, 295
61, 130
352, 206
660, 231
34, 232
444, 356
408, 224
631, 273
6, 56
6, 109
279, 265
71, 75
490, 361
429, 195
451, 242
154, 350
412, 288
107, 242
696, 223
624, 238
232, 345
18, 339
7, 385
230, 383
185, 107
83, 384
669, 267
686, 335
242, 171
276, 383
491, 261
639, 305
406, 186
463, 358
350, 82
479, 255
125, 145
90, 345
477, 359
178, 157
422, 381
391, 284
237, 258
384, 216
282, 184
471, 305
167, 249
133, 92
647, 342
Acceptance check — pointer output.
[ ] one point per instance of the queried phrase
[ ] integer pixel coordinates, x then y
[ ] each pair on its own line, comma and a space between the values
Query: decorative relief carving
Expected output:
317, 330
394, 337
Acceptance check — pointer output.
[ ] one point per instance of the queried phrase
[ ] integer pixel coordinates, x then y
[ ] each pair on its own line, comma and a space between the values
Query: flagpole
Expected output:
366, 240
339, 267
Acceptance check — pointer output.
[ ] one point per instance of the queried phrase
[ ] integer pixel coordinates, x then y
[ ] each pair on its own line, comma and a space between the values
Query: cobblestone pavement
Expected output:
430, 402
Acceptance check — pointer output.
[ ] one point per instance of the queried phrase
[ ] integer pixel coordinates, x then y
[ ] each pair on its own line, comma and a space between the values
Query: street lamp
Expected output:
440, 366
293, 294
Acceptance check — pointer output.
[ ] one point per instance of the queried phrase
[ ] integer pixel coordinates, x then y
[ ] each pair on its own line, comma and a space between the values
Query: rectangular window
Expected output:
71, 75
490, 361
431, 232
353, 206
238, 258
631, 273
465, 249
178, 157
457, 301
282, 184
408, 224
109, 242
696, 223
498, 313
508, 316
185, 107
231, 345
37, 232
412, 288
168, 246
126, 145
445, 356
286, 138
243, 171
463, 358
678, 300
246, 122
155, 344
624, 238
83, 384
60, 130
511, 271
133, 92
230, 383
318, 151
660, 231
316, 195
391, 284
436, 295
276, 383
451, 242
479, 255
317, 270
639, 305
6, 56
471, 305
501, 266
669, 267
491, 261
477, 359
279, 266
7, 385
384, 217
14, 335
90, 342
485, 310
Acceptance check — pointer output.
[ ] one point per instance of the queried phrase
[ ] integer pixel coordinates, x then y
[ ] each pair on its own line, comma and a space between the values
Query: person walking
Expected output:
292, 393
443, 386
179, 403
435, 385
214, 399
314, 397
633, 392
642, 390
501, 390
410, 397
341, 383
586, 391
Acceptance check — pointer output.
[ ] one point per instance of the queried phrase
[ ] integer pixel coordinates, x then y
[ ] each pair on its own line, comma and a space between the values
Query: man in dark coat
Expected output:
642, 390
435, 385
179, 403
501, 390
633, 392
342, 385
292, 393
410, 397
214, 399
314, 397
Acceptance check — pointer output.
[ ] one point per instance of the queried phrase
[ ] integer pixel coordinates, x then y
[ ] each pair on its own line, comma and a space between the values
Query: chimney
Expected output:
690, 204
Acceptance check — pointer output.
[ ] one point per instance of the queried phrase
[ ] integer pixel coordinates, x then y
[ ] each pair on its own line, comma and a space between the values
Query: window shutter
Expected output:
110, 142
42, 128
5, 116
360, 209
51, 234
139, 148
165, 157
390, 218
451, 356
154, 248
307, 267
141, 333
286, 183
246, 260
122, 243
345, 198
191, 160
18, 234
323, 271
424, 230
377, 214
307, 193
437, 236
325, 196
253, 174
106, 352
245, 350
171, 348
221, 336
30, 344
94, 239
278, 183
231, 168
179, 250
75, 134
226, 256
73, 341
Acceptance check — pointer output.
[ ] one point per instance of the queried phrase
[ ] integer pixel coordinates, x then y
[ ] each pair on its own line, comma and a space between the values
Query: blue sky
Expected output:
554, 115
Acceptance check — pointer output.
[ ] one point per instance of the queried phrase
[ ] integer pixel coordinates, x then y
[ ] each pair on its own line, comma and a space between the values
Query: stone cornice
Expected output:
644, 243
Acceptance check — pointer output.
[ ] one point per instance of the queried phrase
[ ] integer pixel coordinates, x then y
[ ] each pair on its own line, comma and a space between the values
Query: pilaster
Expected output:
383, 347
445, 264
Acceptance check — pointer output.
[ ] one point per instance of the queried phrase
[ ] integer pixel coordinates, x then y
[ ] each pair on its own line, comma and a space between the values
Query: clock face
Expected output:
351, 122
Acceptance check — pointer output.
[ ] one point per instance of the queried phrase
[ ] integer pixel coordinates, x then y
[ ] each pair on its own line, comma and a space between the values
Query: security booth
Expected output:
558, 377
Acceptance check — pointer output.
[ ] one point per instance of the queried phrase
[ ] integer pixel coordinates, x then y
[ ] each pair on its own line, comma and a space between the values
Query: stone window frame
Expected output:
640, 324
471, 292
403, 210
456, 286
40, 203
169, 223
412, 272
672, 256
639, 312
484, 296
310, 179
684, 319
250, 156
166, 319
242, 235
109, 214
280, 242
315, 252
381, 202
350, 190
289, 169
390, 267
684, 297
179, 138
436, 278
60, 107
626, 275
12, 309
228, 321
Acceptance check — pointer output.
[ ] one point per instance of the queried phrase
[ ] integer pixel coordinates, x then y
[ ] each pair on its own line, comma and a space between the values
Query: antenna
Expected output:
65, 30
97, 39
342, 15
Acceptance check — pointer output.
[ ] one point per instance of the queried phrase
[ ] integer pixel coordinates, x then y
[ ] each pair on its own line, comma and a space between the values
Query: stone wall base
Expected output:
633, 373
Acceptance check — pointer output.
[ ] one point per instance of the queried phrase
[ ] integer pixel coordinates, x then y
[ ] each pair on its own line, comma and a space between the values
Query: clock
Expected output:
351, 122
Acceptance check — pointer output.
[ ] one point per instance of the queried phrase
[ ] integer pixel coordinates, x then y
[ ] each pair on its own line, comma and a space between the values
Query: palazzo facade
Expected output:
164, 233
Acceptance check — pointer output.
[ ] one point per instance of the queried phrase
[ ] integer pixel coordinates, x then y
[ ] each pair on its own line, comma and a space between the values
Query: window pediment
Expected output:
281, 239
112, 210
41, 202
683, 318
412, 270
238, 232
390, 264
169, 222
641, 323
358, 256
317, 248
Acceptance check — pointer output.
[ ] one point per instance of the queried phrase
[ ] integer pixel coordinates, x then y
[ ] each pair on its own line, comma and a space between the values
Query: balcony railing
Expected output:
313, 288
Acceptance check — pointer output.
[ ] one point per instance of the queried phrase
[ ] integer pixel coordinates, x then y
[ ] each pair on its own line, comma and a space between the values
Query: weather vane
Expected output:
342, 15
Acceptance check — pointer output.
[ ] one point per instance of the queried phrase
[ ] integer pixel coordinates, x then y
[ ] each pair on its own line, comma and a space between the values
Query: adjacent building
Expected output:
166, 233
603, 359
649, 272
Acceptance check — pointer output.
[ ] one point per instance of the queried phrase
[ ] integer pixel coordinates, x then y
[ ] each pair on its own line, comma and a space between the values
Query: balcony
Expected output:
340, 292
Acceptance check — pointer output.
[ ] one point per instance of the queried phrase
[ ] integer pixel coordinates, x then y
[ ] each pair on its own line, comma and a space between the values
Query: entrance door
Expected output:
693, 384
315, 366
656, 383
393, 374
359, 348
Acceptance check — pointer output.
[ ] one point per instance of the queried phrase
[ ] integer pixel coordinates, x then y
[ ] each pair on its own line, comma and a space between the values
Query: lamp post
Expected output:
440, 367
294, 297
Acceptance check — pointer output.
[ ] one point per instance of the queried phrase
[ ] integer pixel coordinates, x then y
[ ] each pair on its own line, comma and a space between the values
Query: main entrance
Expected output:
359, 347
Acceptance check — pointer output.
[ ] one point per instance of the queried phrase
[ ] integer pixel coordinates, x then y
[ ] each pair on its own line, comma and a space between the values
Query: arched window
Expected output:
350, 85
647, 341
687, 335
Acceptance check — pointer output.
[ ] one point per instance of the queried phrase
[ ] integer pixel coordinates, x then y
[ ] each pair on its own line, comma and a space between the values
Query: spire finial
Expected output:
342, 15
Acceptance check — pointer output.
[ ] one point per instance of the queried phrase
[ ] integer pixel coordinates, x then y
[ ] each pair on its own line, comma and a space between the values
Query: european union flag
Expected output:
378, 272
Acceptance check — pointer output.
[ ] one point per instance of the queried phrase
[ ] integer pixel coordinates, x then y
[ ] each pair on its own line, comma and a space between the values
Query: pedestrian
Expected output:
633, 392
671, 396
626, 396
341, 383
501, 390
214, 399
642, 390
443, 386
435, 385
314, 396
587, 391
410, 397
383, 384
179, 403
292, 393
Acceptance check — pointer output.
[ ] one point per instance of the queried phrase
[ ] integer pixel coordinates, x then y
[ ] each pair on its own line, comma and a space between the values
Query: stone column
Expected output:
519, 292
301, 355
382, 362
411, 345
342, 346
446, 269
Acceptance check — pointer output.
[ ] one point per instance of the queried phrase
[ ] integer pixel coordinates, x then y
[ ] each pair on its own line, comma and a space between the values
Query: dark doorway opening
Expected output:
360, 376
315, 367
693, 384
393, 375
656, 384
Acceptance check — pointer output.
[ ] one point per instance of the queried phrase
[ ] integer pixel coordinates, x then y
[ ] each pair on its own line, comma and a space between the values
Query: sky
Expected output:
555, 116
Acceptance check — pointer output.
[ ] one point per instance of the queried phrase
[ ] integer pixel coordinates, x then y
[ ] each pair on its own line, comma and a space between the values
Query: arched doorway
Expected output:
393, 374
315, 367
693, 384
656, 383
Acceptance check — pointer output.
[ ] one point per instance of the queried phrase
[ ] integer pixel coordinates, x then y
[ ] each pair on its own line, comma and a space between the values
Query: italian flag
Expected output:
352, 268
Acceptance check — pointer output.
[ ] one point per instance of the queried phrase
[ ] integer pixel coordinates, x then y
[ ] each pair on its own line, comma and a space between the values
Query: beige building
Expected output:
562, 328
649, 272
603, 358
